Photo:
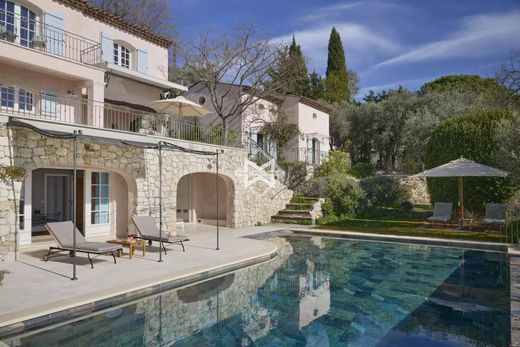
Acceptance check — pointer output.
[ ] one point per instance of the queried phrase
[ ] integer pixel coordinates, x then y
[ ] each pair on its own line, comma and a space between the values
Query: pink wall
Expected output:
77, 23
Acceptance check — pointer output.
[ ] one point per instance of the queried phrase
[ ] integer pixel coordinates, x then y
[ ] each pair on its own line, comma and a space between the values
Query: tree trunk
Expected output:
225, 133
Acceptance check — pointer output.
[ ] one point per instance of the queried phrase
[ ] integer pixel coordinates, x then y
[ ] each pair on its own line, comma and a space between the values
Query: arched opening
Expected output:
105, 202
197, 199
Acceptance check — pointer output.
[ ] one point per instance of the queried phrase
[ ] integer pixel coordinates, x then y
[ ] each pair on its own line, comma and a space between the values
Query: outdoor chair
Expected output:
147, 230
442, 213
62, 233
495, 215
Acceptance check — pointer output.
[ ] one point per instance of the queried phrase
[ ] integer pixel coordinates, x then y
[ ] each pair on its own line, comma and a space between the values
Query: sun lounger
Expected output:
442, 213
62, 233
495, 215
148, 230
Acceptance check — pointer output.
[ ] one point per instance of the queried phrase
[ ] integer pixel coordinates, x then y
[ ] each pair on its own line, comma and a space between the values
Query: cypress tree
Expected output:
298, 75
336, 81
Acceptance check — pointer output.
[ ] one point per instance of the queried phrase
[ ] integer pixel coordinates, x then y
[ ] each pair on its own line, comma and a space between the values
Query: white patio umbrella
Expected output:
462, 168
179, 107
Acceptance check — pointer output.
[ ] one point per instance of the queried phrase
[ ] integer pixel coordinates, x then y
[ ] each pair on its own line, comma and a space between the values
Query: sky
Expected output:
388, 43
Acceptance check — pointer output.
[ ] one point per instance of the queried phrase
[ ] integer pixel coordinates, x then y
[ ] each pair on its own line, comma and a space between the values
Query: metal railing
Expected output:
307, 155
512, 232
46, 38
79, 110
260, 156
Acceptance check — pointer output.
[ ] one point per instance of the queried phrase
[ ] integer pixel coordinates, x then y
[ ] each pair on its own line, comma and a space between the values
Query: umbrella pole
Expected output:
160, 203
461, 202
217, 191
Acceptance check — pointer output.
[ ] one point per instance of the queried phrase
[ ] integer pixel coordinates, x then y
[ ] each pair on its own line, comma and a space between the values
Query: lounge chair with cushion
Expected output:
442, 213
148, 230
62, 233
495, 215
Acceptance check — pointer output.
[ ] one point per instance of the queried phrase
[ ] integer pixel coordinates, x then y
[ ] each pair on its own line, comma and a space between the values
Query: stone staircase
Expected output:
297, 211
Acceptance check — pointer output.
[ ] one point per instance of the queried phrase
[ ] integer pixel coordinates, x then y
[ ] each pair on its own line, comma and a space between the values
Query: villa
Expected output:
312, 118
68, 66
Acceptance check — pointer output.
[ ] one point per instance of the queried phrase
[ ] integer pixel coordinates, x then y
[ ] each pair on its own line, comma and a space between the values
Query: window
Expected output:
27, 26
49, 105
7, 18
261, 106
314, 115
18, 19
25, 100
202, 100
7, 97
121, 55
100, 198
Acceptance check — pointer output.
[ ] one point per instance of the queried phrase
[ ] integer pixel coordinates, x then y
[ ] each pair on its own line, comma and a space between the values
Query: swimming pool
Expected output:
317, 292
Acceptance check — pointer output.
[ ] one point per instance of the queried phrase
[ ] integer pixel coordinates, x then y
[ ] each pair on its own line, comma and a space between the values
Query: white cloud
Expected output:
480, 35
411, 84
332, 10
361, 44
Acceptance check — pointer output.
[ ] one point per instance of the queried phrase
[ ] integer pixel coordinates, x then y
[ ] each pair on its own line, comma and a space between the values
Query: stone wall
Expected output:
249, 205
418, 188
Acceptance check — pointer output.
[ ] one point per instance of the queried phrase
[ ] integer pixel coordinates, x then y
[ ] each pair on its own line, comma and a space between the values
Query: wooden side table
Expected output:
131, 245
466, 222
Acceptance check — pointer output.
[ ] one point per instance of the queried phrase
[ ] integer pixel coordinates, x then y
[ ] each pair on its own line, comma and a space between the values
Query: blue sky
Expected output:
388, 43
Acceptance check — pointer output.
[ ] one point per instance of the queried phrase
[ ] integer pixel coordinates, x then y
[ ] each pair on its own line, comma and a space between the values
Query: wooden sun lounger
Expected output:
148, 231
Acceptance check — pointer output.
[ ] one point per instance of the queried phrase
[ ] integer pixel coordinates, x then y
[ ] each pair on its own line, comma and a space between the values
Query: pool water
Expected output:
318, 292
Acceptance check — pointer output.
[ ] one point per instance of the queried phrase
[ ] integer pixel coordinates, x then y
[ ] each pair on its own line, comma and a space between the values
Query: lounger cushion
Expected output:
494, 221
439, 219
62, 232
148, 230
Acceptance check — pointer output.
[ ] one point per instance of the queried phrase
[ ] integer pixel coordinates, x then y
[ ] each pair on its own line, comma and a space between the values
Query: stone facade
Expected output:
248, 205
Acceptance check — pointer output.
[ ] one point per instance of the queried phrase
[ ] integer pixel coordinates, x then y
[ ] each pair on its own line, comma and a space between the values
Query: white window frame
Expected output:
16, 99
99, 197
18, 21
119, 51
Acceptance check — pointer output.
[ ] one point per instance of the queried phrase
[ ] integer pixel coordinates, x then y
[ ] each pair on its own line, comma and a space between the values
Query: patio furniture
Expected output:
442, 213
495, 215
148, 231
62, 233
131, 244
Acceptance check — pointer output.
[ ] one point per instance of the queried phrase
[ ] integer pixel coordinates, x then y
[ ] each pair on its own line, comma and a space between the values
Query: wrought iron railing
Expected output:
307, 155
79, 110
260, 156
32, 33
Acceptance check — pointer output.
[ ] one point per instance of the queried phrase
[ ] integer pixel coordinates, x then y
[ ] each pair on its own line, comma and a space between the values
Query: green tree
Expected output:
317, 86
337, 162
337, 79
293, 74
473, 136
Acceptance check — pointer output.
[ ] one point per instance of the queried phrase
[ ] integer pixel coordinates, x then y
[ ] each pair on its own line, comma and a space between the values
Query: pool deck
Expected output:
37, 293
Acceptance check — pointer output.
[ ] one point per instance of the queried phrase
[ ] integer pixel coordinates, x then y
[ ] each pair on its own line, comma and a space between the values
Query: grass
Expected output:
390, 221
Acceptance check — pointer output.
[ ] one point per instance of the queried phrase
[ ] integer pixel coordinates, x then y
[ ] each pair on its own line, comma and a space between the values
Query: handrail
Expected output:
47, 38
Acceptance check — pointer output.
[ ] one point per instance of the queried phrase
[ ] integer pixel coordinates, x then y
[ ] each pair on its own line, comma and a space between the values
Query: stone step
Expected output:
299, 206
298, 213
303, 200
291, 219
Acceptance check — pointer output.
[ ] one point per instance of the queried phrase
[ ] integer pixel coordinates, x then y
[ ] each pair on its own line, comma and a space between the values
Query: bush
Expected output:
362, 170
406, 207
473, 136
316, 187
384, 191
345, 197
295, 174
337, 162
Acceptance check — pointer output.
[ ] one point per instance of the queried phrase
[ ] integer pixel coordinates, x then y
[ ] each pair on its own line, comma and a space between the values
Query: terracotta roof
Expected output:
100, 14
308, 101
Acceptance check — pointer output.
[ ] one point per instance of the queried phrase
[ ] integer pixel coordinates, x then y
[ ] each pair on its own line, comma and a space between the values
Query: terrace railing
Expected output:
34, 34
260, 156
307, 155
104, 115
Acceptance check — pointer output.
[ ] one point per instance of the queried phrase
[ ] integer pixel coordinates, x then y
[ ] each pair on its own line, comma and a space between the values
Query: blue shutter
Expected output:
107, 49
142, 61
54, 33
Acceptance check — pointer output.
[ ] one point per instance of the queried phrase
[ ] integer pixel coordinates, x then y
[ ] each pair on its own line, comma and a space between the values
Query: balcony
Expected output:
104, 115
36, 35
308, 155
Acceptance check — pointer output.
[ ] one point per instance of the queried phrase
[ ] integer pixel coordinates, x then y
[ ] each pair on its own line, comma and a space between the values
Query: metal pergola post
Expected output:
218, 214
74, 200
160, 202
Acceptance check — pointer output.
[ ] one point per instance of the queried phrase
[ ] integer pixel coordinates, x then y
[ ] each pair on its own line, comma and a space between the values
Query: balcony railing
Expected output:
307, 155
34, 34
82, 111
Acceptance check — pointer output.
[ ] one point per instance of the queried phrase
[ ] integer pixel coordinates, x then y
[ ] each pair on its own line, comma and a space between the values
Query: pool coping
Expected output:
35, 320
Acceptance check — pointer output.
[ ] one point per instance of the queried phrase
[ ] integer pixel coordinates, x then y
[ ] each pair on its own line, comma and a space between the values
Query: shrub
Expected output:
295, 174
384, 191
362, 170
316, 187
344, 196
473, 136
406, 207
337, 162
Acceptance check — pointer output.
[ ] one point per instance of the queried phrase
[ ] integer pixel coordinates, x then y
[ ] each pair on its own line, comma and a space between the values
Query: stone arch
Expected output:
196, 198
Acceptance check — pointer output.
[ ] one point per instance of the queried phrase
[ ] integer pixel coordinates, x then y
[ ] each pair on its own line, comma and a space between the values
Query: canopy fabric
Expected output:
179, 107
462, 168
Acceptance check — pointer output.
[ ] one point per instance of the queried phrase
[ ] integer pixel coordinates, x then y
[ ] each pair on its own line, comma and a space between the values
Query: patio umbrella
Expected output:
179, 107
462, 168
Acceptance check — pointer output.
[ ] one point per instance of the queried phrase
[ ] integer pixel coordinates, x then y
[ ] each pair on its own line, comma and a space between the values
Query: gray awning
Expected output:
463, 168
